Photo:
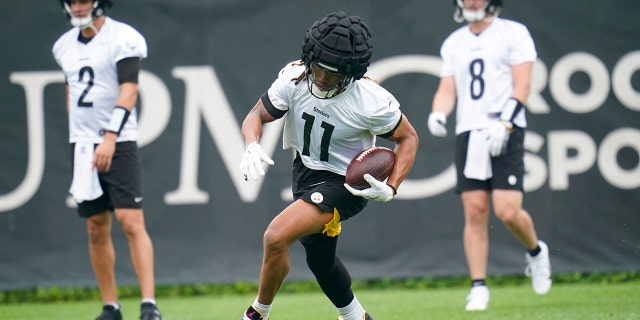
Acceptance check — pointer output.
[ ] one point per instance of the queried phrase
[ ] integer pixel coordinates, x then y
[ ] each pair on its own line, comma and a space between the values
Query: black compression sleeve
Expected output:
128, 70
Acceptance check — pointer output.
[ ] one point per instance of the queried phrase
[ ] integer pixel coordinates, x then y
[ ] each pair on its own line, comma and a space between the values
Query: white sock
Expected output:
353, 311
149, 300
263, 309
115, 305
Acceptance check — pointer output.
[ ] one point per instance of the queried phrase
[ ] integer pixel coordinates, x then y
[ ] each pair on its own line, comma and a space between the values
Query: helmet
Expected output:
340, 43
100, 7
461, 14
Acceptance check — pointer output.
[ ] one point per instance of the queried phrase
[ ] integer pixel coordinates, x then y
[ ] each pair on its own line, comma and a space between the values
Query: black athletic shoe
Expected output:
252, 314
149, 311
110, 313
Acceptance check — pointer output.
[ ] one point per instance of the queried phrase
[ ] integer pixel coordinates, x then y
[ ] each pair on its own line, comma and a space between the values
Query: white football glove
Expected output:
379, 191
499, 137
436, 124
252, 159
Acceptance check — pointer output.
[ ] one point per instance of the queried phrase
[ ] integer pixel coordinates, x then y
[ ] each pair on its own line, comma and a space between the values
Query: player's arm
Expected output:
521, 74
128, 71
254, 155
66, 96
252, 124
445, 98
499, 132
443, 103
406, 140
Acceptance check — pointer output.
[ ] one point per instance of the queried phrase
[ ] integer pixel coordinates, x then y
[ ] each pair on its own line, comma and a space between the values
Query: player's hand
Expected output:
379, 191
499, 137
103, 153
252, 159
436, 124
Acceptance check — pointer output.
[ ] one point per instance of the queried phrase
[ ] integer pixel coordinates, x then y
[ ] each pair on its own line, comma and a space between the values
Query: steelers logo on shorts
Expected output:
512, 180
317, 197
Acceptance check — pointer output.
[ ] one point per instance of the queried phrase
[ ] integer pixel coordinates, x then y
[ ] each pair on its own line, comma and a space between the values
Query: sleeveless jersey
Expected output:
328, 133
91, 74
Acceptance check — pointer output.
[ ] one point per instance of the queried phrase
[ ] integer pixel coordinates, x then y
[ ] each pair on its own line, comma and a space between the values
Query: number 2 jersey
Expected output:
328, 133
91, 74
481, 66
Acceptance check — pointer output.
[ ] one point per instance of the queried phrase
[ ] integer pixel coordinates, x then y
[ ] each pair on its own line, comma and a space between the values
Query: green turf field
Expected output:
565, 301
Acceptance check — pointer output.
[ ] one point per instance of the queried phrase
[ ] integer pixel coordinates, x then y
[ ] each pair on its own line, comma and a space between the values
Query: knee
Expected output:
477, 213
98, 232
132, 227
274, 241
507, 215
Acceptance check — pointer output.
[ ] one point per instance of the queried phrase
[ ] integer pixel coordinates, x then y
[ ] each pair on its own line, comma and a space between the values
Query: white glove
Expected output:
252, 159
436, 123
379, 191
498, 137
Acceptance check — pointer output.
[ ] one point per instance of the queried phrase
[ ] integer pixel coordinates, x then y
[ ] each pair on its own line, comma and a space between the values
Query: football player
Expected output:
486, 75
331, 113
100, 58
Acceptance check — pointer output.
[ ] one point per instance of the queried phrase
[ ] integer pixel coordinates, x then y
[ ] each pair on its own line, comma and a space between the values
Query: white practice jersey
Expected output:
481, 66
91, 73
328, 133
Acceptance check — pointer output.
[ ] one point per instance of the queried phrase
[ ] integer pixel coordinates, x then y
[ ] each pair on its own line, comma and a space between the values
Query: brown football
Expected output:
376, 161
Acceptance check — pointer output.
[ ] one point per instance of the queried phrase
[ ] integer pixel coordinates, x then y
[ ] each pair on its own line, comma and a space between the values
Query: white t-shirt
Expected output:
91, 73
328, 133
481, 66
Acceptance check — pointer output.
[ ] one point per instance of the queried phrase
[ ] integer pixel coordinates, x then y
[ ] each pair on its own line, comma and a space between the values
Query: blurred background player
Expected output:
331, 114
487, 69
100, 58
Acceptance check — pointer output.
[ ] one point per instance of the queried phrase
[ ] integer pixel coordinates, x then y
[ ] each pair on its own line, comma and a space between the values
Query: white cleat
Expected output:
478, 299
539, 269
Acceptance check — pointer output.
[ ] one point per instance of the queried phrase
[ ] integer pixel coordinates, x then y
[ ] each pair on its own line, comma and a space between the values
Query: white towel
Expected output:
478, 164
85, 185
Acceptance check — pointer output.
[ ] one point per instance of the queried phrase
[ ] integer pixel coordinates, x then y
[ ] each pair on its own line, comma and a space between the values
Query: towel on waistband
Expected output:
85, 185
478, 163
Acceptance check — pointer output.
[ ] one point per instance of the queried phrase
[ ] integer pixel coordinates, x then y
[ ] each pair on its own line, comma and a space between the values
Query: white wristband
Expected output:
510, 110
119, 117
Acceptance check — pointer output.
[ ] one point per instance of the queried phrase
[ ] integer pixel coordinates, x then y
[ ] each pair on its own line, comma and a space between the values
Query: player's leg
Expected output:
507, 194
507, 200
332, 276
142, 257
475, 233
97, 215
320, 248
140, 248
476, 246
475, 200
102, 255
299, 219
125, 189
507, 205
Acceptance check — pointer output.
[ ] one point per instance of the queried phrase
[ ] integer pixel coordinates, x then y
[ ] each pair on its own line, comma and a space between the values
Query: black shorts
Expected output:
508, 169
326, 190
121, 185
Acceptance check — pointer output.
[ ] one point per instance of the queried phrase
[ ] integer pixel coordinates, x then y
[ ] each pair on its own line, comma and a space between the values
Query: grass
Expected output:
582, 301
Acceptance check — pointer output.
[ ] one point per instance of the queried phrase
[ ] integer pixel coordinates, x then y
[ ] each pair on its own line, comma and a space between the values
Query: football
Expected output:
376, 161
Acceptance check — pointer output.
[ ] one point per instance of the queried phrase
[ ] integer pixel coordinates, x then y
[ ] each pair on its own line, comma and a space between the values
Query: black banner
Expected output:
208, 63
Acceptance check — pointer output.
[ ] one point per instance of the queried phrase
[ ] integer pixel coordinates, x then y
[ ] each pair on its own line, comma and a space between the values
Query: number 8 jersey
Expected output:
328, 133
91, 74
481, 66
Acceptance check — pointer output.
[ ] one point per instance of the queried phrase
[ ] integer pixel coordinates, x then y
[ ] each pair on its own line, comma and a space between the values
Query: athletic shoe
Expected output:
110, 313
478, 299
252, 314
149, 311
365, 317
539, 269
